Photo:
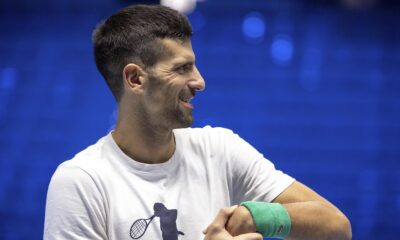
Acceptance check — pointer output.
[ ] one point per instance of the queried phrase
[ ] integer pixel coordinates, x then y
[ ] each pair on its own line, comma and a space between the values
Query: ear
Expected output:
132, 76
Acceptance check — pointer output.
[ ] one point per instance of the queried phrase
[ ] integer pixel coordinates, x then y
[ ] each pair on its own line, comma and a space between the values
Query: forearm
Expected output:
311, 216
317, 220
309, 220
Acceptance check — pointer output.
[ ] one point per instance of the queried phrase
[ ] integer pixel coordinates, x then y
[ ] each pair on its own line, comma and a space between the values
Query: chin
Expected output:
184, 125
184, 122
179, 120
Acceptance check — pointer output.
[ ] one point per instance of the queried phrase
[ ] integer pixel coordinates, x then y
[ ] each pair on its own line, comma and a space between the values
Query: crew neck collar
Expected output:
136, 166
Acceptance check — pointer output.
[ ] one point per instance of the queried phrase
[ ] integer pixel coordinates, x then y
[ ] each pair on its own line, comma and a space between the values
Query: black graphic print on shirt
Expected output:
167, 217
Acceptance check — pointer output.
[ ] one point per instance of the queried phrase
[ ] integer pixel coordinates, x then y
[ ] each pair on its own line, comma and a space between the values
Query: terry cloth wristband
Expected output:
271, 219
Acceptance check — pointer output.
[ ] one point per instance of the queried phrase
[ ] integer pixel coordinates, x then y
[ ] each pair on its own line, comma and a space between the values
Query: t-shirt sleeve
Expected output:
252, 177
74, 206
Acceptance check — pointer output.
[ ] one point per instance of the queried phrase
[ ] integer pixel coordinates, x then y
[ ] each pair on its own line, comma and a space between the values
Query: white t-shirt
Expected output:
101, 192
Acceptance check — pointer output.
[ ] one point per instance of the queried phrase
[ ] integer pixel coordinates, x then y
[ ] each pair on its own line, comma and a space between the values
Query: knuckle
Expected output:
224, 211
242, 210
213, 228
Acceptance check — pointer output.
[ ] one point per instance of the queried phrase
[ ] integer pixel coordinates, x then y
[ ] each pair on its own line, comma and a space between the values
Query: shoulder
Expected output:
70, 178
207, 133
92, 157
75, 198
210, 141
80, 174
83, 167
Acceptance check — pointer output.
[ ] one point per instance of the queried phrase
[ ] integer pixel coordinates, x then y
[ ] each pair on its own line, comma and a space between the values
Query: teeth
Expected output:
185, 99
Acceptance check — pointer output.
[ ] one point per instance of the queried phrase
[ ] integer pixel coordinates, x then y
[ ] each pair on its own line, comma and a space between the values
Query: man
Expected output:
155, 178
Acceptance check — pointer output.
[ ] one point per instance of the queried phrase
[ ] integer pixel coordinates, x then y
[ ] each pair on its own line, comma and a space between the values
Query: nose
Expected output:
197, 82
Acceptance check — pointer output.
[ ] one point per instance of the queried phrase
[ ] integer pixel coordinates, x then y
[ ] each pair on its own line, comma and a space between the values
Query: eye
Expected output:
185, 68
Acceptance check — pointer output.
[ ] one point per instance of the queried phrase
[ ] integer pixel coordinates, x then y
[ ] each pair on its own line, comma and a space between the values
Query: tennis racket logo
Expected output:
168, 227
139, 227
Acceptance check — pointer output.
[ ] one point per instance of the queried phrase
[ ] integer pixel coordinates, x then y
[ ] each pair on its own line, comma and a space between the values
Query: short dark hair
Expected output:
130, 36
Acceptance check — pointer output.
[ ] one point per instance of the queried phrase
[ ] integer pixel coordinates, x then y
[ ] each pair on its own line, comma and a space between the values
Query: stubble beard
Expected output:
178, 118
185, 118
168, 113
172, 116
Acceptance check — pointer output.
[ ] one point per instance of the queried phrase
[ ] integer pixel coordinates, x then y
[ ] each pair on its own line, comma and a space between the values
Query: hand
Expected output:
216, 230
240, 222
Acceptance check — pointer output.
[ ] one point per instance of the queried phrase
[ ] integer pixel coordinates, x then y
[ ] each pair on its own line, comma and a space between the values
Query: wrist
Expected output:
270, 219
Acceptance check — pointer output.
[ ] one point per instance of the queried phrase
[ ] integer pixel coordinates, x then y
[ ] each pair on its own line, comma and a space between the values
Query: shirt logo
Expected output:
168, 227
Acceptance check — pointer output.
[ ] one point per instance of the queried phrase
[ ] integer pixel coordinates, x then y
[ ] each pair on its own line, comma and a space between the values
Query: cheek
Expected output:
164, 94
172, 89
165, 88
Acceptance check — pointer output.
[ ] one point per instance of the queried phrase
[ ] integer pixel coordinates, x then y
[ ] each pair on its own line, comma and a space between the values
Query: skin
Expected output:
151, 107
217, 231
312, 216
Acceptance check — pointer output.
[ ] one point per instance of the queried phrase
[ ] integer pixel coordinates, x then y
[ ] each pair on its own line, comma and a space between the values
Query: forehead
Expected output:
177, 51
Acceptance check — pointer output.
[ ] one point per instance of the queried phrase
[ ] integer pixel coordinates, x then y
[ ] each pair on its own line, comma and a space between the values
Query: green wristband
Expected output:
271, 219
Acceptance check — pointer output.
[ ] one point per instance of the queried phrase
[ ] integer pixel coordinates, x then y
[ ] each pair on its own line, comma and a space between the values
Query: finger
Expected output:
249, 236
221, 218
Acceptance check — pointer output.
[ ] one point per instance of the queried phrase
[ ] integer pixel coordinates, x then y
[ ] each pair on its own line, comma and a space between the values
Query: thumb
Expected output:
249, 236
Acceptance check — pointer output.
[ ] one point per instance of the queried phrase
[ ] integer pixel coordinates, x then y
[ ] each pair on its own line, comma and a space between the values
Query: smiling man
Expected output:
154, 177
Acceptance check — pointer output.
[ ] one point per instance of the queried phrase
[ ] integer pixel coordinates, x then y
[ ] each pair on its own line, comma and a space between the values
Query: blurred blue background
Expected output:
314, 85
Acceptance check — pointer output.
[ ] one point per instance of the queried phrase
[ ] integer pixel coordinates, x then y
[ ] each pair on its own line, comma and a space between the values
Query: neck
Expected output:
142, 142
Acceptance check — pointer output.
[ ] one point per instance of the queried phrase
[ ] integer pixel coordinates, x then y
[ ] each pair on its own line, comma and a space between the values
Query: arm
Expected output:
312, 216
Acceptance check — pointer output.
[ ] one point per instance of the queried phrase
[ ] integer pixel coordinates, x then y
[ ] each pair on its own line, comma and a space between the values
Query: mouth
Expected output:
186, 98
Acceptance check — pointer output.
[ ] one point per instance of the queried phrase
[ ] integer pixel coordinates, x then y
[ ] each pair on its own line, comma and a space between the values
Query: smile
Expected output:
185, 101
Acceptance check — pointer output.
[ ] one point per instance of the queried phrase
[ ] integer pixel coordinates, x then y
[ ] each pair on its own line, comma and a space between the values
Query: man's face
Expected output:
172, 83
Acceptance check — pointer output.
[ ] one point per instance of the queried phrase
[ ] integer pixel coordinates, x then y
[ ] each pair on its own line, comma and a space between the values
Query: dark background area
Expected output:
314, 85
